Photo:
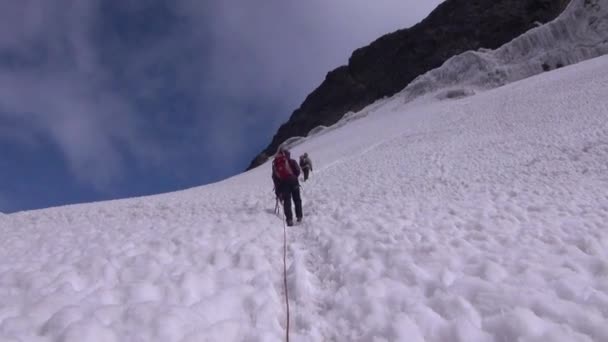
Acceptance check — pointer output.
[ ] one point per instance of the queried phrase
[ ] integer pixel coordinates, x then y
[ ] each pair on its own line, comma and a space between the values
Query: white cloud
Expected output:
53, 83
266, 48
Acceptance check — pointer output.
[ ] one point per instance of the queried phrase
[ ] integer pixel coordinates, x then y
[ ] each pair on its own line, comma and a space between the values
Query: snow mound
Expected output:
579, 33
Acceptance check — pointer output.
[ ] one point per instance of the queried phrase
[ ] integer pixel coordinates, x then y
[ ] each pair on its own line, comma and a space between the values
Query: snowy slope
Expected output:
478, 219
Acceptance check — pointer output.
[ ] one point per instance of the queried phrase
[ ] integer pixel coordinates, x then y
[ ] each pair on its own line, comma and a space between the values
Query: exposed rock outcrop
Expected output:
390, 63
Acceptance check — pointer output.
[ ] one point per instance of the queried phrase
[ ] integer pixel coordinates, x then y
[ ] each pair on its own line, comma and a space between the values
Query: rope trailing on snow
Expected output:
285, 278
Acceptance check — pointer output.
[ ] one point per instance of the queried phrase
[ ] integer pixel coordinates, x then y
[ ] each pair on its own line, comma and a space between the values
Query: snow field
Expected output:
475, 219
490, 227
140, 272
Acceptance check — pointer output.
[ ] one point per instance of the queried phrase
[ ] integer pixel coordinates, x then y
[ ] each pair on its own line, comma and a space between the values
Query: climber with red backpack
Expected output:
285, 173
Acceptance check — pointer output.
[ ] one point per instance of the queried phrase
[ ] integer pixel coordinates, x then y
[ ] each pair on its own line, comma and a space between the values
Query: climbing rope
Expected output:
285, 278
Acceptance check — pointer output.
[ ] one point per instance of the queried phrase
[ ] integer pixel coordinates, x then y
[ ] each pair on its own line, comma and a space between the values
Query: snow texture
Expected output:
480, 218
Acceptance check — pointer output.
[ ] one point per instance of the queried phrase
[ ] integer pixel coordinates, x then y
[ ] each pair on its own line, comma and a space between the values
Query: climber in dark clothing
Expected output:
306, 165
285, 173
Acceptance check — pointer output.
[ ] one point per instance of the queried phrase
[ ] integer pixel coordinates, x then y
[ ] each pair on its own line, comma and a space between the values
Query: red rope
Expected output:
285, 278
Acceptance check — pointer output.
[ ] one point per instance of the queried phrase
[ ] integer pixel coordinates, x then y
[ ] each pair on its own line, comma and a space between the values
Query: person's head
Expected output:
305, 155
284, 151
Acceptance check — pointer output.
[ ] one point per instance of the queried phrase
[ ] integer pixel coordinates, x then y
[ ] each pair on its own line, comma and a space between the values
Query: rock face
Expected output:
390, 63
578, 34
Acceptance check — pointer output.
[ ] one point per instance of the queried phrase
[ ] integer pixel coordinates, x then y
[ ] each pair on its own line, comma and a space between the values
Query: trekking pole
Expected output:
276, 201
276, 205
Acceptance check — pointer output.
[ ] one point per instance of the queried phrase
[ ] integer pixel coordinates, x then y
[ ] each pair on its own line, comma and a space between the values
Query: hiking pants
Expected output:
287, 192
305, 170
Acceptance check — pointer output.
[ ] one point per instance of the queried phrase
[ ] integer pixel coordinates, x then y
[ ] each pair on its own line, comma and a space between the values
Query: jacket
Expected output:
279, 183
305, 163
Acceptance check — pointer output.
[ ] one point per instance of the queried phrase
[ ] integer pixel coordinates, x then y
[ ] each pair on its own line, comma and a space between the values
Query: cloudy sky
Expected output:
104, 99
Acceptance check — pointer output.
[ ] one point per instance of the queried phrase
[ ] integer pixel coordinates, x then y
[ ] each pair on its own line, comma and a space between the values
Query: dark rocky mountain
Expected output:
390, 63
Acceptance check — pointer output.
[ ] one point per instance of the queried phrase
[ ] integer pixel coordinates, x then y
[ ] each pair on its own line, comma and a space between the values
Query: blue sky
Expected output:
104, 99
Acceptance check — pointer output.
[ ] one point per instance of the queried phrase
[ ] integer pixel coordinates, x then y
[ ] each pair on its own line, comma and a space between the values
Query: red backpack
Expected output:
282, 168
